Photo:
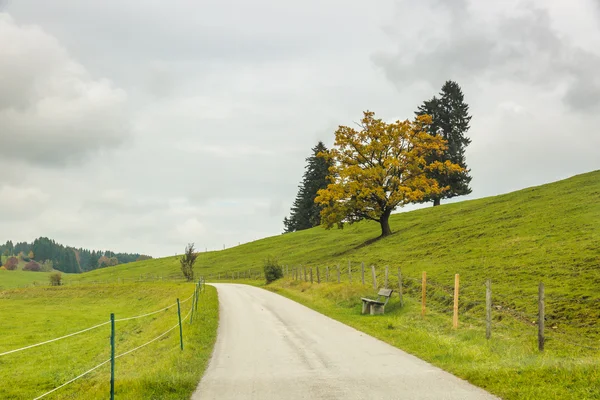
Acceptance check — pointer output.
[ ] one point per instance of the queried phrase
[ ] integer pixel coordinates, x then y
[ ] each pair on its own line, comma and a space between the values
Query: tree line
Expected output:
65, 258
375, 168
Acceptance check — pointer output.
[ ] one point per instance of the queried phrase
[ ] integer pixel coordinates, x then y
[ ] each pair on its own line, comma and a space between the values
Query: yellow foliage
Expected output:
379, 167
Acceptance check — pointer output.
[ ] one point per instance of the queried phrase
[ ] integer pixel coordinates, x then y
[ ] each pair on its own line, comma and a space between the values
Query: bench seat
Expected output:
375, 307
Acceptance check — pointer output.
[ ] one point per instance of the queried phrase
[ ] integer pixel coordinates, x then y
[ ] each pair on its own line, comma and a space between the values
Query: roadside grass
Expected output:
508, 365
158, 371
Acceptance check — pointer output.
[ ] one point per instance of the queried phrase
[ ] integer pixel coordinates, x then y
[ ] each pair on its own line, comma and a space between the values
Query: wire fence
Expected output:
532, 310
194, 297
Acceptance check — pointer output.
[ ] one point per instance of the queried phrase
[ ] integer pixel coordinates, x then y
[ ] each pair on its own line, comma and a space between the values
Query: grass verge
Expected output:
509, 365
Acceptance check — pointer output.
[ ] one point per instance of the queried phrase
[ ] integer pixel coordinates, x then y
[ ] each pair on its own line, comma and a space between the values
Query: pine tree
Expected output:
450, 120
305, 213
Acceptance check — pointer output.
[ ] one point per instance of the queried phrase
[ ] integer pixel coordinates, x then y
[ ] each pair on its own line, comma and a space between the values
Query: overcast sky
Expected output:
140, 126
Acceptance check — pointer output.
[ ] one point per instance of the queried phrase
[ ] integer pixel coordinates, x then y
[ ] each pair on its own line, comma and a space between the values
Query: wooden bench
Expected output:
375, 307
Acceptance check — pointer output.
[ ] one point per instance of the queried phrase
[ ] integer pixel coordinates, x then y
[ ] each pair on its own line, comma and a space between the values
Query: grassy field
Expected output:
18, 278
158, 371
549, 233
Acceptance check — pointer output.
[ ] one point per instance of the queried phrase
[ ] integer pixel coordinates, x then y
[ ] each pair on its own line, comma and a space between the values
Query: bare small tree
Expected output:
187, 262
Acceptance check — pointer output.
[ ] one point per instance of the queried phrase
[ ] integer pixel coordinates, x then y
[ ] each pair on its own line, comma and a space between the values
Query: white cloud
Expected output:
52, 112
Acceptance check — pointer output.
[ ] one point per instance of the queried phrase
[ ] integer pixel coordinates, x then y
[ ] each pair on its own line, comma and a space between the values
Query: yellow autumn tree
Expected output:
379, 167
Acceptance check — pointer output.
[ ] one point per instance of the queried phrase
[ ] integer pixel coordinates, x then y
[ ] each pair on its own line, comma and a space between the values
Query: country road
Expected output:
270, 347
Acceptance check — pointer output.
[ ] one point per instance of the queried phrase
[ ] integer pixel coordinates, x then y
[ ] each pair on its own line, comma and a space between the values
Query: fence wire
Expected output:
118, 356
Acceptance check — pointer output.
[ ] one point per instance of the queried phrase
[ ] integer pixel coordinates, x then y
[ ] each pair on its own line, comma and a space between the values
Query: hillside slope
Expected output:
533, 231
547, 233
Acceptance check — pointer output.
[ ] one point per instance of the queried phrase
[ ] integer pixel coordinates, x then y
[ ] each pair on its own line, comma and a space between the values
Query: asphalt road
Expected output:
269, 347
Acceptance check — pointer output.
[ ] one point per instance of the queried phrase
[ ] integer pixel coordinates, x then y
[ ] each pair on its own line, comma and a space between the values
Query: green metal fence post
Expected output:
199, 293
192, 314
112, 356
180, 327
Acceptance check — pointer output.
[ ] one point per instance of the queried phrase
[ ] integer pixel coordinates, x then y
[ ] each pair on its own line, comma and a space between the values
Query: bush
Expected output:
32, 266
187, 262
273, 271
47, 266
11, 263
55, 279
3, 268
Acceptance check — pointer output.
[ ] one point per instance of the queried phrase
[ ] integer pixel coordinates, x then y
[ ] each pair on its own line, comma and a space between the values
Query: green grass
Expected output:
18, 278
549, 233
158, 371
508, 365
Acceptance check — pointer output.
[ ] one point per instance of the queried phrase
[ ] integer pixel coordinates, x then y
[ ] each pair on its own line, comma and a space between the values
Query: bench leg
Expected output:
365, 308
377, 309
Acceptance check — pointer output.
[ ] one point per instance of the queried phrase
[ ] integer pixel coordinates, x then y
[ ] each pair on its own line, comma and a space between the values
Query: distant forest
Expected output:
65, 258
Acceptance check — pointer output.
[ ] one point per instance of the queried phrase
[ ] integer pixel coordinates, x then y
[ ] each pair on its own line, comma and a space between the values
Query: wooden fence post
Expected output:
311, 279
400, 286
456, 291
374, 277
304, 268
541, 317
338, 270
386, 277
318, 275
362, 272
423, 292
349, 271
488, 309
327, 274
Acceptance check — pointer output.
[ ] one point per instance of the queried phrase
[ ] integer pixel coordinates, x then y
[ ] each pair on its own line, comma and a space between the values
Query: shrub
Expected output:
273, 270
3, 268
11, 263
32, 266
55, 279
47, 266
187, 262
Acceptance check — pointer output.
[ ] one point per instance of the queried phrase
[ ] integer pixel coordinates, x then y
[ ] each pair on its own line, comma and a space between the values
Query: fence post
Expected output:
541, 317
423, 292
193, 306
374, 277
311, 280
488, 309
338, 269
362, 272
318, 275
180, 328
456, 289
112, 356
349, 271
304, 268
400, 286
327, 274
386, 277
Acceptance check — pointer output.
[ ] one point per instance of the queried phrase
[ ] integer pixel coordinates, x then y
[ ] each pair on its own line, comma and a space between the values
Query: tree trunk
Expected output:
436, 202
385, 224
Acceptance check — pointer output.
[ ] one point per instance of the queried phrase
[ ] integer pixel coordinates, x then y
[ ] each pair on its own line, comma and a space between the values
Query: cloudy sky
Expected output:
141, 126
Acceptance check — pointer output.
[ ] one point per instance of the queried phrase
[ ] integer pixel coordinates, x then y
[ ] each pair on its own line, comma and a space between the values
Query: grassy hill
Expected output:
549, 233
